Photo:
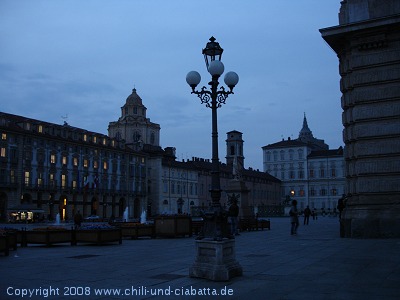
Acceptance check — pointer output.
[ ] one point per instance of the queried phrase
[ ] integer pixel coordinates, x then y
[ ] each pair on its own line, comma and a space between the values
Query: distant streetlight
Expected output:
214, 99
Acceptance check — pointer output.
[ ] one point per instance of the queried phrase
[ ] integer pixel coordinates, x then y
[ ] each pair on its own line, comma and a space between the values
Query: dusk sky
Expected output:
81, 60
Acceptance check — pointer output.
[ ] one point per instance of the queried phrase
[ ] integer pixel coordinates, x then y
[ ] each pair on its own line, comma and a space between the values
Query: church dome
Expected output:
134, 98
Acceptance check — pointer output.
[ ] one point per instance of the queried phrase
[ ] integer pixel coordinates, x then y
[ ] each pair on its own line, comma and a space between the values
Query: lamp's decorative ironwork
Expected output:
213, 98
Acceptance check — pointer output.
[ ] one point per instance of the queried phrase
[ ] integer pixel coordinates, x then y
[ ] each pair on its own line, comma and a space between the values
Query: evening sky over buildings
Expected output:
78, 61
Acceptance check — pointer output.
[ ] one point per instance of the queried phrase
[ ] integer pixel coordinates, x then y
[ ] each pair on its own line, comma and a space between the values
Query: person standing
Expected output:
78, 219
294, 218
307, 213
233, 214
340, 205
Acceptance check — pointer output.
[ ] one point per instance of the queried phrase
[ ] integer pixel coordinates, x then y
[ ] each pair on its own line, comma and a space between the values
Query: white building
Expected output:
309, 171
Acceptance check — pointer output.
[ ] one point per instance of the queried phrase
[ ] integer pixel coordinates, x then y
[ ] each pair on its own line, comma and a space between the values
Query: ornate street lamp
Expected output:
214, 98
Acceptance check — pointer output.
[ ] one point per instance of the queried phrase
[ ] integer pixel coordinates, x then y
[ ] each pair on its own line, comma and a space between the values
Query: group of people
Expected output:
294, 214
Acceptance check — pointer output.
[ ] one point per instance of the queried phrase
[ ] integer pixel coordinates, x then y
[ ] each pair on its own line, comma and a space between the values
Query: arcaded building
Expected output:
48, 169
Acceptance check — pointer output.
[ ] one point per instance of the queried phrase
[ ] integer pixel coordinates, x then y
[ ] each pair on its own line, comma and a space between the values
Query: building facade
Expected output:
367, 44
310, 172
186, 184
48, 169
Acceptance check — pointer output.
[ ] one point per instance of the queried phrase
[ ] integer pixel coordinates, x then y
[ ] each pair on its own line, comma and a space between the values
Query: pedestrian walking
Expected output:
294, 218
307, 213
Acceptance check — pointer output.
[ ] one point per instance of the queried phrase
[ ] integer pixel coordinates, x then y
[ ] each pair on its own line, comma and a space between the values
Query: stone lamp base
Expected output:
215, 260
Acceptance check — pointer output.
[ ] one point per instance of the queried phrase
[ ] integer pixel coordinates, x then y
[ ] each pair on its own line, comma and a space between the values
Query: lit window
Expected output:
4, 136
94, 139
105, 165
63, 181
95, 164
85, 137
40, 129
53, 158
3, 152
64, 160
85, 163
27, 174
75, 161
104, 141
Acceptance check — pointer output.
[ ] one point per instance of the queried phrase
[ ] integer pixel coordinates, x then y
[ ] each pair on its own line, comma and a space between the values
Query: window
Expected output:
312, 191
51, 180
268, 156
95, 139
3, 152
75, 161
291, 154
104, 141
311, 173
53, 158
291, 174
95, 164
27, 179
105, 165
40, 179
63, 181
282, 154
85, 163
334, 192
165, 189
322, 173
40, 129
301, 174
275, 156
4, 136
333, 172
85, 137
300, 152
323, 192
64, 160
301, 192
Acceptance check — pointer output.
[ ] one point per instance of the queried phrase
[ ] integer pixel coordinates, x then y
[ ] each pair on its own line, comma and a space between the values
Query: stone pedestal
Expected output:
215, 260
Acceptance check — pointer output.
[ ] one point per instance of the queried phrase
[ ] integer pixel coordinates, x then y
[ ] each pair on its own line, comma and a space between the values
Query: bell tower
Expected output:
234, 149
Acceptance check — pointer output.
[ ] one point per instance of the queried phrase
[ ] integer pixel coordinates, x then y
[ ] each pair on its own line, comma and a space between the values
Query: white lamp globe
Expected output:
193, 78
231, 79
216, 68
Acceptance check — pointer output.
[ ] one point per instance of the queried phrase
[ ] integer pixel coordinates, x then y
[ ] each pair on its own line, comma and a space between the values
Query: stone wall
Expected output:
369, 56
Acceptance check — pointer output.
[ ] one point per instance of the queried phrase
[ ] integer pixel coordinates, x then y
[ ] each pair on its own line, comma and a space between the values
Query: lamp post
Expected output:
214, 98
